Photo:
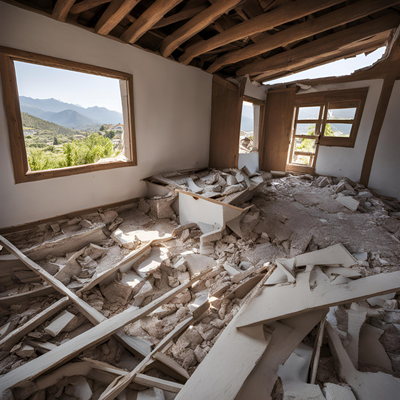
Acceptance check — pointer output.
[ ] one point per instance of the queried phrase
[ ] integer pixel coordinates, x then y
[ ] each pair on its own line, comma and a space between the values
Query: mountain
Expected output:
45, 108
70, 119
29, 121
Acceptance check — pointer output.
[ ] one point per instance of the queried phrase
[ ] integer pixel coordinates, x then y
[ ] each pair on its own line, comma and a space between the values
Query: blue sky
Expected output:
336, 68
87, 90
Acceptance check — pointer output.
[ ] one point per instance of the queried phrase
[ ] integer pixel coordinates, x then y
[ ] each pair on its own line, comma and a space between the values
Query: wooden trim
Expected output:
61, 9
86, 5
22, 172
70, 215
253, 100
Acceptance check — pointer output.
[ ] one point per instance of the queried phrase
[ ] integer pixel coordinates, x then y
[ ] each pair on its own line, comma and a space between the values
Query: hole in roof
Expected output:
336, 68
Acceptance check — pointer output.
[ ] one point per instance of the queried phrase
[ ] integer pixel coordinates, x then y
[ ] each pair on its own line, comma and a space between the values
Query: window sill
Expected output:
80, 169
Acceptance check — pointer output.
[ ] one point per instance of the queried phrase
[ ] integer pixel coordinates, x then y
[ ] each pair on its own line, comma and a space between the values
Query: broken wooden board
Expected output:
286, 336
15, 336
275, 303
87, 339
356, 320
365, 385
23, 297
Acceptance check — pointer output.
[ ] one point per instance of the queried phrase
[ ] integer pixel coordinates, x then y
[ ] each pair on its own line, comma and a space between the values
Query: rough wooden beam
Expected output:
146, 21
86, 5
310, 52
195, 25
258, 24
380, 113
92, 337
61, 9
113, 15
301, 31
180, 16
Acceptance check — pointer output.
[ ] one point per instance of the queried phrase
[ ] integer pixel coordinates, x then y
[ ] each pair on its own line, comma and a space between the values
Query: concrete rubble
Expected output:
128, 257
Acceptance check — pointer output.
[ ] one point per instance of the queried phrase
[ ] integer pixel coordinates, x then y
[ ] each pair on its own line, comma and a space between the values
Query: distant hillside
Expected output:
46, 108
70, 119
30, 121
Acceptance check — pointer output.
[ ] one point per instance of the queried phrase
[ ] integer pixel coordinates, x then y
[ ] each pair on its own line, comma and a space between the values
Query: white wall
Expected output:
345, 161
385, 173
172, 115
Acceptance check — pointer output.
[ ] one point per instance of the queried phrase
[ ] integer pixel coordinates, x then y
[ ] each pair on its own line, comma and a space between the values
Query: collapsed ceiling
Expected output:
264, 39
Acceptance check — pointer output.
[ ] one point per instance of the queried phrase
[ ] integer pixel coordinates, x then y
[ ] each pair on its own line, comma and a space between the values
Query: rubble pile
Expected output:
121, 260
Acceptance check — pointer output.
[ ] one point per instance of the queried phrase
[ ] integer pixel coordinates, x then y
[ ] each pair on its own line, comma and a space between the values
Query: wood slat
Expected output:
258, 24
113, 15
195, 25
86, 5
116, 387
301, 31
61, 9
179, 17
317, 49
146, 21
92, 337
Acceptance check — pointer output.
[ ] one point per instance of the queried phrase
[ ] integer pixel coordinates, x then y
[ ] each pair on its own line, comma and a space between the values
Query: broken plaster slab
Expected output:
349, 202
283, 273
156, 257
332, 391
59, 323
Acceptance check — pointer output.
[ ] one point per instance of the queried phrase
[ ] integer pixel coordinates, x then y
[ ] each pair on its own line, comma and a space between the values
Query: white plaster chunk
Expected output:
230, 270
157, 256
349, 202
25, 351
379, 300
197, 263
59, 323
79, 387
151, 394
332, 391
131, 279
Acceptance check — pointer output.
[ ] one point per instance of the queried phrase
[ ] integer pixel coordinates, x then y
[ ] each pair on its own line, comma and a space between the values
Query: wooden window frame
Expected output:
346, 97
21, 169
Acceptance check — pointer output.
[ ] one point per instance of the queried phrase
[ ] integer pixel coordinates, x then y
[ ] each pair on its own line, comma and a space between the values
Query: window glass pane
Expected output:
342, 113
246, 128
305, 145
308, 112
337, 130
303, 160
83, 126
305, 129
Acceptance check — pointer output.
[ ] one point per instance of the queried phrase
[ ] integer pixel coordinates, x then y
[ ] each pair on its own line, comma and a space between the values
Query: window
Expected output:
250, 124
90, 127
326, 119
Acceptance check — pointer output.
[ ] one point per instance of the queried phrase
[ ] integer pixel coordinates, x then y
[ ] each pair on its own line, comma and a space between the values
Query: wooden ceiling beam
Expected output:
304, 30
61, 9
148, 19
311, 51
86, 5
114, 14
195, 25
258, 24
180, 16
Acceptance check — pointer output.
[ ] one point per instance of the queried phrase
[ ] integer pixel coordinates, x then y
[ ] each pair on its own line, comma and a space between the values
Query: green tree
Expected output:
102, 128
110, 134
55, 141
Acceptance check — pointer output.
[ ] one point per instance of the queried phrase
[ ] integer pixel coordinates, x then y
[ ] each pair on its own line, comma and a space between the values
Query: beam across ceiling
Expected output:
195, 25
86, 5
262, 23
114, 14
149, 17
320, 48
61, 9
303, 30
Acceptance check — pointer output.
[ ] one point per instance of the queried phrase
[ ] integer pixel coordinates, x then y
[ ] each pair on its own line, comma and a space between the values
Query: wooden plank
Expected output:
116, 387
113, 15
262, 23
275, 139
320, 48
282, 302
304, 30
151, 381
380, 113
86, 5
316, 352
286, 336
15, 336
149, 17
180, 16
92, 337
61, 9
195, 25
23, 297
225, 125
171, 364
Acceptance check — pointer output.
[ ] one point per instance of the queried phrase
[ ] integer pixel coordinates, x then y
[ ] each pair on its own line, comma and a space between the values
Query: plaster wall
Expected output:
172, 108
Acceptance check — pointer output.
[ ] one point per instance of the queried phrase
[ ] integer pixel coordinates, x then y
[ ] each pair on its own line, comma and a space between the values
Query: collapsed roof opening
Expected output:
335, 68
